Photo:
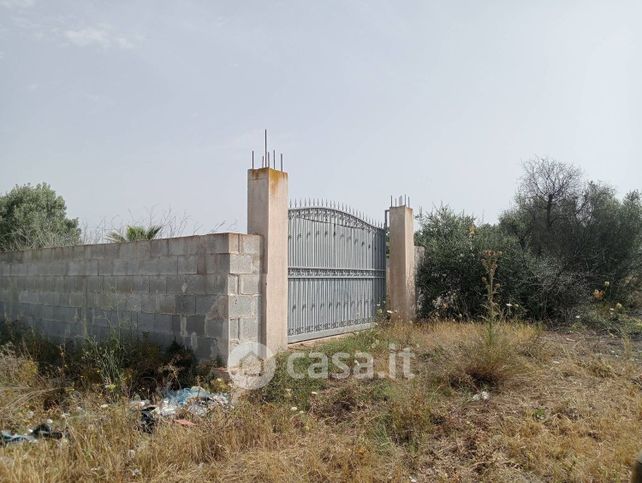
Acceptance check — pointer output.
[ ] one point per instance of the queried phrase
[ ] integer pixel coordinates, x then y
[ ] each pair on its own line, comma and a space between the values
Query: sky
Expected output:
131, 108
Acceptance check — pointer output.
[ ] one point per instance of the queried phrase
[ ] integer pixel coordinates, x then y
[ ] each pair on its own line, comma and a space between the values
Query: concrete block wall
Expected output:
201, 291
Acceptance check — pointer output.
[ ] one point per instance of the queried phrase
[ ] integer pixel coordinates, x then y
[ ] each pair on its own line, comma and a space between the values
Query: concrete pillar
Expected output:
267, 215
401, 281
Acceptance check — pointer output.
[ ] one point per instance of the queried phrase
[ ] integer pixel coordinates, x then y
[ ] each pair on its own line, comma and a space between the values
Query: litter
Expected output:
196, 400
184, 422
483, 396
41, 431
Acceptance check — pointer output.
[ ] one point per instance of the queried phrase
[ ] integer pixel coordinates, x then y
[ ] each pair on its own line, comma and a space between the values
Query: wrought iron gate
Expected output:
336, 270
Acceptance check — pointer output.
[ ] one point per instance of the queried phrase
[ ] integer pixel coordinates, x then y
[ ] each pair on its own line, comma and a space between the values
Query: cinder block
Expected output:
82, 267
249, 284
222, 284
241, 264
94, 283
248, 329
146, 322
102, 251
163, 323
109, 283
18, 270
135, 250
233, 329
205, 303
76, 299
222, 243
217, 328
230, 263
189, 264
158, 266
208, 349
166, 303
131, 283
196, 324
149, 302
123, 266
256, 264
251, 244
241, 306
133, 302
187, 245
186, 304
157, 283
106, 266
187, 284
159, 248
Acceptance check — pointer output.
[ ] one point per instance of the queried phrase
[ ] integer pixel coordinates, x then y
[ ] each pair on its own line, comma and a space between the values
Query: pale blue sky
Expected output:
127, 105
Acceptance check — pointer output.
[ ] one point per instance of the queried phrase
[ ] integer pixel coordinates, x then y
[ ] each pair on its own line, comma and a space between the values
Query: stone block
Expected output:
222, 243
145, 322
149, 302
241, 264
158, 266
250, 244
157, 283
233, 329
185, 304
102, 251
217, 328
221, 283
187, 245
109, 283
135, 250
229, 263
191, 264
133, 302
131, 283
106, 266
82, 267
196, 324
214, 306
166, 303
76, 299
241, 306
204, 303
124, 266
159, 248
163, 323
249, 284
208, 349
248, 329
94, 283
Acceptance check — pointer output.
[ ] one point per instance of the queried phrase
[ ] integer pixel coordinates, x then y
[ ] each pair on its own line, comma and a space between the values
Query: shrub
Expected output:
562, 241
35, 217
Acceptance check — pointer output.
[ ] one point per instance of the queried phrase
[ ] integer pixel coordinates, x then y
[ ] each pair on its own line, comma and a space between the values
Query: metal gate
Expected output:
336, 270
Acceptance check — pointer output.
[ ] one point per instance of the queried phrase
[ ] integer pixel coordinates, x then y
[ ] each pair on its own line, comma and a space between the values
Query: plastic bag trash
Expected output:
7, 437
484, 396
147, 421
41, 431
197, 400
45, 431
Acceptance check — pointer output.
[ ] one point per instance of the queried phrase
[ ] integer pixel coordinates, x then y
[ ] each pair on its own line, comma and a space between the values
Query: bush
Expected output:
35, 217
564, 239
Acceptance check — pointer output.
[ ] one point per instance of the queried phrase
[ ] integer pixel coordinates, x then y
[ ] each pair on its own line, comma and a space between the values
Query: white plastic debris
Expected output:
481, 396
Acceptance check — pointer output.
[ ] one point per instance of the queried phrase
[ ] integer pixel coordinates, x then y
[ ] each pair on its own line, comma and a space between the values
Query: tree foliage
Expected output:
35, 217
135, 233
564, 238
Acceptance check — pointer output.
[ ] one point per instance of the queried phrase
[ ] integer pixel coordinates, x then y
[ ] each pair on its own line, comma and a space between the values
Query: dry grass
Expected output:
561, 408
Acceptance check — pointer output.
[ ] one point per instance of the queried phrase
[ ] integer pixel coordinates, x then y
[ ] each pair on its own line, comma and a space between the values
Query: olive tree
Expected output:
35, 217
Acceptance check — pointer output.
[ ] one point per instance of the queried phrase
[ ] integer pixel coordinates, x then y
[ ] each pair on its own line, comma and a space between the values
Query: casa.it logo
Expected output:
251, 365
